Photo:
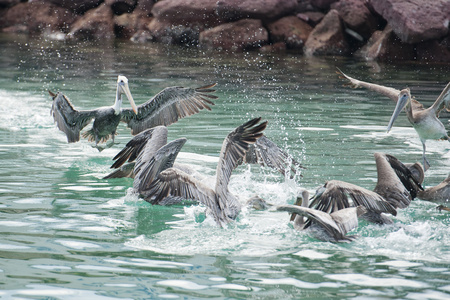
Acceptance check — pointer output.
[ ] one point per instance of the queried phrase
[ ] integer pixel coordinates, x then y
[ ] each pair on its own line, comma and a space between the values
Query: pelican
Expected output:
424, 120
395, 188
165, 108
327, 227
438, 193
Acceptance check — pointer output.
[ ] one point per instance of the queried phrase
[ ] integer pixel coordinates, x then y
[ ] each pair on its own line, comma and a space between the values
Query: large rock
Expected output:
322, 4
327, 38
121, 6
36, 17
184, 12
78, 6
434, 51
96, 24
386, 46
127, 25
235, 36
415, 21
255, 9
290, 30
166, 32
8, 3
357, 16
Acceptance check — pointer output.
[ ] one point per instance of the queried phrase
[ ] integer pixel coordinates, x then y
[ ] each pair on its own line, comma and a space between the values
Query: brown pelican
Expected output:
165, 108
438, 193
424, 120
396, 187
331, 227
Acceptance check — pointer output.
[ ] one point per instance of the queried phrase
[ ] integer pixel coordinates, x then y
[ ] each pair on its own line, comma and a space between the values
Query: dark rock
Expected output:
311, 17
235, 36
255, 9
322, 4
127, 25
273, 48
434, 51
185, 12
145, 6
168, 33
121, 6
357, 16
386, 46
415, 21
37, 17
78, 6
327, 38
8, 3
96, 24
290, 30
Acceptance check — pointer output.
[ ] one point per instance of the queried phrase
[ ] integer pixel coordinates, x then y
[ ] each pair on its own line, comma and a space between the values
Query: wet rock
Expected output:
185, 12
327, 38
121, 6
127, 25
322, 4
254, 9
434, 51
273, 48
357, 16
8, 3
415, 21
37, 17
167, 32
235, 36
290, 30
311, 17
386, 46
78, 6
96, 24
145, 6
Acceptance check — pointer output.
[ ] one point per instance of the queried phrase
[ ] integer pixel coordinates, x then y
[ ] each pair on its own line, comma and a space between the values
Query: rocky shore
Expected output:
384, 30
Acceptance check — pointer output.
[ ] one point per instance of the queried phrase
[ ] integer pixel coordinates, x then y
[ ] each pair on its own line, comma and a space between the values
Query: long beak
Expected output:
401, 103
298, 202
127, 92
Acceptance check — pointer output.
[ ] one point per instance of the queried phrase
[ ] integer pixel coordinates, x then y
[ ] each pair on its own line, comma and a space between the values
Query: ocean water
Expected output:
66, 233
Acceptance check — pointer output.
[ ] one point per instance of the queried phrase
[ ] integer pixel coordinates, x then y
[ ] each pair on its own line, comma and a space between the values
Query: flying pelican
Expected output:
395, 188
438, 193
164, 108
327, 227
424, 120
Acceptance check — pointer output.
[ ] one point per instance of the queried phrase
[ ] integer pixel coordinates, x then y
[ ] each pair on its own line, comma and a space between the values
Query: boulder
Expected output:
127, 25
311, 17
254, 9
235, 36
415, 21
37, 17
166, 32
185, 12
357, 16
8, 3
322, 4
327, 38
273, 48
434, 51
77, 6
290, 30
145, 6
121, 6
96, 24
386, 46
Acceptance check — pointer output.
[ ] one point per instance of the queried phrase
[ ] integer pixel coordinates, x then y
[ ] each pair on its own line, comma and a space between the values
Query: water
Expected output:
68, 234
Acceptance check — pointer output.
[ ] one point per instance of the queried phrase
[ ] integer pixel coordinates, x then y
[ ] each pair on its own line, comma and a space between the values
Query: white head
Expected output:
122, 88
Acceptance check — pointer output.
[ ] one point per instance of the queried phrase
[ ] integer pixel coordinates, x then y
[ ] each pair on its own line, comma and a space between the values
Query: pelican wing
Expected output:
68, 119
234, 147
440, 192
266, 153
168, 106
347, 219
126, 170
335, 196
443, 101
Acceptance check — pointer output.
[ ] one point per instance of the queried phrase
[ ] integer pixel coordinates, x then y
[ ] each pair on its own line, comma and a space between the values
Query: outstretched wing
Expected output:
67, 118
126, 170
443, 101
168, 106
266, 153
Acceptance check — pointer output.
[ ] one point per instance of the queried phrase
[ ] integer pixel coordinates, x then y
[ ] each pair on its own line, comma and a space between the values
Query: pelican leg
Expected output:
426, 164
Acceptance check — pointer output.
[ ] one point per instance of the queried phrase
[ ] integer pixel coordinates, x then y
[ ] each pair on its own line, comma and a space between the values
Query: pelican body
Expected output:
425, 121
438, 193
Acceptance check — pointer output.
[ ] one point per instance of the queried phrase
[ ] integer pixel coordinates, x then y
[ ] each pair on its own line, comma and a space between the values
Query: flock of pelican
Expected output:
329, 215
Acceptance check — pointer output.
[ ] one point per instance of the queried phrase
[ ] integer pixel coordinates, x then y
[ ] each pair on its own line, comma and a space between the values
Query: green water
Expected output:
68, 234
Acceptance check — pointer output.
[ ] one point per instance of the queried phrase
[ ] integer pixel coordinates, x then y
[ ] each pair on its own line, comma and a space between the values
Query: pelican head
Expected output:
122, 88
403, 99
302, 200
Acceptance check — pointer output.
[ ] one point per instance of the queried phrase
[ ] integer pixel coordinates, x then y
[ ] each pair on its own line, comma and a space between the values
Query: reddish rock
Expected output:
145, 6
127, 25
235, 36
255, 9
36, 17
311, 17
184, 12
96, 24
168, 33
434, 51
327, 38
78, 6
356, 16
290, 30
415, 21
322, 4
386, 46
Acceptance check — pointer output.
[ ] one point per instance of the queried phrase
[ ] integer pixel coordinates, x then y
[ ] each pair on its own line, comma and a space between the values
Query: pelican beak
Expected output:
298, 202
401, 103
126, 91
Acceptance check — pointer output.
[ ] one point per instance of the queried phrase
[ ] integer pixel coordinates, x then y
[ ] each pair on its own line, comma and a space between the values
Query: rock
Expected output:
386, 46
185, 12
327, 38
96, 24
254, 9
235, 36
415, 21
127, 25
121, 6
434, 51
311, 17
322, 4
273, 48
290, 30
165, 32
37, 17
357, 16
8, 3
145, 6
78, 6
